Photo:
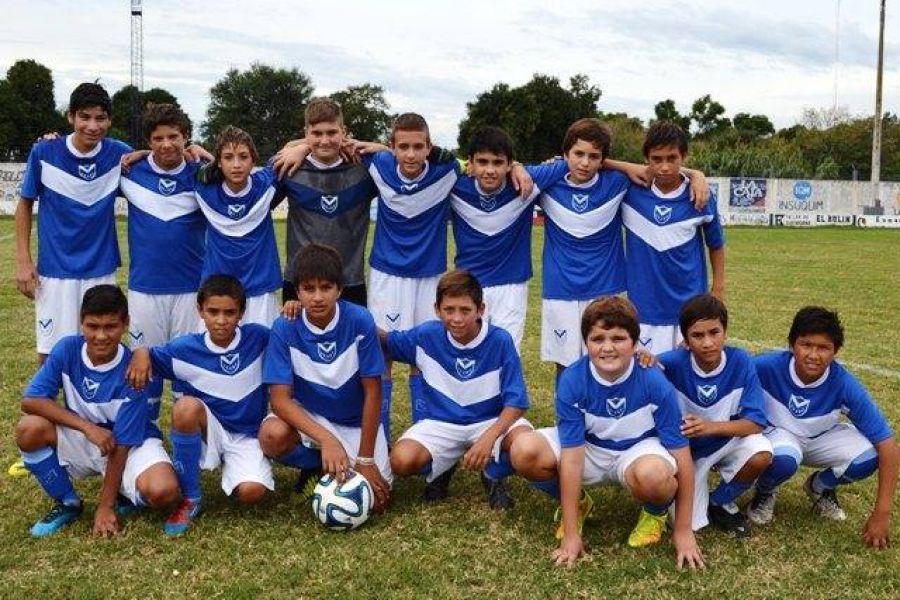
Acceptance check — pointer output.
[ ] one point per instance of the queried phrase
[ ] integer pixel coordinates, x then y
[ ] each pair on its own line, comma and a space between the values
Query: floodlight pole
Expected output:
876, 129
137, 70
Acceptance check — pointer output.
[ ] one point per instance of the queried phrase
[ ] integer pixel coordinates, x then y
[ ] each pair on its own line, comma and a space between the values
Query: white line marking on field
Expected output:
881, 371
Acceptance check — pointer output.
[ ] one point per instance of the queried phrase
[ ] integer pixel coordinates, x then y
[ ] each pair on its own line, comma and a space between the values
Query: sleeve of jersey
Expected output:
130, 428
161, 361
667, 416
569, 418
753, 403
47, 381
713, 232
31, 182
401, 346
512, 381
371, 358
546, 175
277, 367
863, 412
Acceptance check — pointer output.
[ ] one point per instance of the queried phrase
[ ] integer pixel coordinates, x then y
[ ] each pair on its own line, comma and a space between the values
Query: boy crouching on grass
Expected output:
615, 423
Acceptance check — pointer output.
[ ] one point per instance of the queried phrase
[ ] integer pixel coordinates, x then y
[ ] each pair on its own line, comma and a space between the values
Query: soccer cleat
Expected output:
825, 504
648, 530
125, 507
439, 488
58, 517
180, 520
761, 509
17, 469
732, 523
585, 508
497, 493
306, 482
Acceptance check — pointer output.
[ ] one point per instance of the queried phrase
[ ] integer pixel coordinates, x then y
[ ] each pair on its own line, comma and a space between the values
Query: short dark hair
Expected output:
491, 139
665, 133
318, 261
89, 95
104, 299
700, 308
322, 110
410, 122
165, 114
222, 285
611, 311
230, 136
590, 130
459, 282
816, 319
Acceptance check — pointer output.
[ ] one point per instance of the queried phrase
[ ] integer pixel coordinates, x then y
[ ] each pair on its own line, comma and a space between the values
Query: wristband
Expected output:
364, 461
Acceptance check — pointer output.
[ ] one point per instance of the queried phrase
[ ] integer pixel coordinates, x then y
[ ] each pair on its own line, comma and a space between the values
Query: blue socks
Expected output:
782, 468
658, 509
44, 465
726, 493
186, 449
387, 388
859, 468
549, 487
499, 469
416, 398
302, 457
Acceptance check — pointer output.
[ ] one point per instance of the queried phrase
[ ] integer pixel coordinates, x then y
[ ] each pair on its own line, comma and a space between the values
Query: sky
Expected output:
773, 57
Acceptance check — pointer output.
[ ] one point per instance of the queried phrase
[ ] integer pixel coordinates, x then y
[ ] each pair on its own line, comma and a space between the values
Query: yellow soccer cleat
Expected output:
649, 530
585, 508
17, 469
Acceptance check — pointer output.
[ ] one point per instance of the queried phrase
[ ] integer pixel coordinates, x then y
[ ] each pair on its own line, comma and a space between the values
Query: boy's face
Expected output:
611, 350
410, 148
490, 170
167, 145
319, 298
584, 160
460, 316
813, 354
236, 162
102, 334
325, 139
664, 164
705, 339
90, 126
221, 315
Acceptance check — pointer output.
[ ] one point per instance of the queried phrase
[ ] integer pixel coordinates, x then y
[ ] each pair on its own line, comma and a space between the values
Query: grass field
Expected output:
460, 548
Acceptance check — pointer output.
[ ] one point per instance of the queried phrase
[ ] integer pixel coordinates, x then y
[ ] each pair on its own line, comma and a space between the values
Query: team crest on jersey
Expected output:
580, 202
230, 363
45, 326
616, 406
236, 211
561, 335
465, 367
87, 172
89, 388
166, 186
408, 187
137, 336
707, 394
662, 214
798, 405
327, 350
329, 204
488, 203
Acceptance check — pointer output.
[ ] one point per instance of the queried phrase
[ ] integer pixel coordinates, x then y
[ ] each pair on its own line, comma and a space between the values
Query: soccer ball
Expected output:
342, 506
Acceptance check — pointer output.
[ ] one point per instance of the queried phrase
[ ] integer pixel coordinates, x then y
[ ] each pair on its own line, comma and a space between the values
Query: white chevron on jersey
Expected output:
76, 189
493, 222
231, 228
334, 374
233, 388
630, 426
780, 416
412, 205
584, 224
164, 208
96, 412
463, 392
662, 237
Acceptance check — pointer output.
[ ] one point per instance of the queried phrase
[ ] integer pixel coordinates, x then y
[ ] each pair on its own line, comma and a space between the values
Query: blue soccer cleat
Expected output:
58, 517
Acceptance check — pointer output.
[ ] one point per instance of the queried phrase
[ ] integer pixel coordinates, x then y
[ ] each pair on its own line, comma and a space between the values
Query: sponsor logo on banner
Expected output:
835, 219
796, 220
230, 363
803, 190
616, 406
747, 194
756, 219
465, 367
888, 221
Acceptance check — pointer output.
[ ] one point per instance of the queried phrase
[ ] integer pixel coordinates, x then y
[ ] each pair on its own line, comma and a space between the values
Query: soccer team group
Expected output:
648, 394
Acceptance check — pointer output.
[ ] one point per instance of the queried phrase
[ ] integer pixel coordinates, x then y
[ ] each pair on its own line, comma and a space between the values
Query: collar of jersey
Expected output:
618, 381
331, 324
415, 179
717, 371
674, 193
484, 194
587, 184
241, 193
158, 169
475, 341
322, 166
89, 154
218, 350
800, 384
105, 366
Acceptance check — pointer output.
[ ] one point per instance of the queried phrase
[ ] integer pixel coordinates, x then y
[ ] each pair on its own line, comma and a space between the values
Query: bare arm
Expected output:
717, 262
876, 532
371, 422
105, 521
477, 457
56, 414
26, 276
694, 427
699, 187
571, 466
687, 552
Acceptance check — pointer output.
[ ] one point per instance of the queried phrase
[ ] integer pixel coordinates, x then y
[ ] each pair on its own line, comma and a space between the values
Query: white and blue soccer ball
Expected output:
343, 506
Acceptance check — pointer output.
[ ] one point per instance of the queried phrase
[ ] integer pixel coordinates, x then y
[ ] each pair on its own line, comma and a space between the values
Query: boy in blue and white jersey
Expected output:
216, 421
665, 237
324, 375
616, 423
473, 388
76, 179
492, 223
806, 392
724, 413
105, 426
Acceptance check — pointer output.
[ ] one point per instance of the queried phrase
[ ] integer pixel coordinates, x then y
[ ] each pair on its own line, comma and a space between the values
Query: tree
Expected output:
122, 117
666, 111
752, 127
366, 112
27, 108
628, 136
706, 113
266, 102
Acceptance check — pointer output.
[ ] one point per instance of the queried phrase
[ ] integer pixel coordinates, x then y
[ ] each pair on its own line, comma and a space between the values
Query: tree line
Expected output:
268, 102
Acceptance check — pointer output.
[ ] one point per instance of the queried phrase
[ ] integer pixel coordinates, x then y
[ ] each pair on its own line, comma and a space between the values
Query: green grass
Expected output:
460, 548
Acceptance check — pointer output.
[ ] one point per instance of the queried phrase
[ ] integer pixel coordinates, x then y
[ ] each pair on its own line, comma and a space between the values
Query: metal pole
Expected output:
876, 129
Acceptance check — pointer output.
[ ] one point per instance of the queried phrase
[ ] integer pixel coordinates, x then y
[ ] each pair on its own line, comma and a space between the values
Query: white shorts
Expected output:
57, 307
448, 442
835, 449
561, 330
609, 466
239, 455
349, 438
83, 459
657, 339
262, 309
400, 303
728, 460
505, 307
159, 318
